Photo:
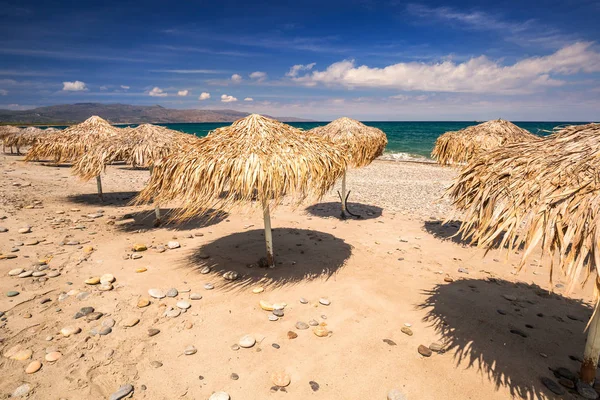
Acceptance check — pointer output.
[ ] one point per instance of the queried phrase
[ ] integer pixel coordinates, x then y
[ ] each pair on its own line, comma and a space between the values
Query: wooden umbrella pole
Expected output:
343, 196
592, 348
156, 206
268, 235
99, 184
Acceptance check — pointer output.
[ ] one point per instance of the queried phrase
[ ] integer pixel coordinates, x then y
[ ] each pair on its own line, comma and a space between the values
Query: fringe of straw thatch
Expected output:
24, 137
140, 147
458, 147
361, 143
7, 132
256, 158
69, 144
538, 192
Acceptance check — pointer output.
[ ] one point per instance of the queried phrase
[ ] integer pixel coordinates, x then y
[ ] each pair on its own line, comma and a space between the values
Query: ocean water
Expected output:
406, 140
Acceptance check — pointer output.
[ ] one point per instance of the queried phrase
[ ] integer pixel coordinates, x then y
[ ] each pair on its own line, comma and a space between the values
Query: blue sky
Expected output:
372, 60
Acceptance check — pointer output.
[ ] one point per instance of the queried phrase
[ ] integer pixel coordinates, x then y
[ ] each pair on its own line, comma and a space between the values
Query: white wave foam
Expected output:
400, 156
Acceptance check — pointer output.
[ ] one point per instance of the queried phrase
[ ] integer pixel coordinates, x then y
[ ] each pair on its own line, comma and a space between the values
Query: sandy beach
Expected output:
394, 280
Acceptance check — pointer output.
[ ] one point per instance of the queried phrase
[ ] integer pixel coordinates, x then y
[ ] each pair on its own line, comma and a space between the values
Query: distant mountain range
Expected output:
66, 114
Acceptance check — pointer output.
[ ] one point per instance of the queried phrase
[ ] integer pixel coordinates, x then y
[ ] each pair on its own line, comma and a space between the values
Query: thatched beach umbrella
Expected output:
73, 142
256, 160
361, 144
6, 132
24, 137
458, 147
547, 193
142, 146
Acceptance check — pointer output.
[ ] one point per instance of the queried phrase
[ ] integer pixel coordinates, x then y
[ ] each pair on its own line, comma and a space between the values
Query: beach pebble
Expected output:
406, 330
265, 305
12, 293
424, 351
93, 281
139, 247
448, 279
278, 313
70, 330
553, 386
247, 341
509, 297
231, 275
273, 317
321, 331
276, 346
205, 270
183, 304
153, 332
122, 392
258, 290
156, 364
172, 292
235, 347
53, 274
437, 347
141, 269
107, 279
15, 272
324, 301
301, 325
130, 322
390, 342
314, 386
22, 390
26, 229
143, 302
31, 242
173, 245
136, 256
313, 322
173, 312
156, 293
219, 396
280, 379
586, 391
195, 296
109, 322
3, 229
234, 376
395, 394
190, 350
53, 356
303, 300
209, 286
25, 274
22, 355
463, 271
33, 367
292, 335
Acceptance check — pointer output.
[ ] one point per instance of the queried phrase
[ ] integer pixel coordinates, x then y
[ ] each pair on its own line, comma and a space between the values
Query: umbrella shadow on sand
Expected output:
333, 209
109, 198
503, 328
145, 220
300, 255
447, 231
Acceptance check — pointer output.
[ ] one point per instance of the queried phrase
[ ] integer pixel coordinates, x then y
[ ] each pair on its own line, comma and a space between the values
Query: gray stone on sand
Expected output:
219, 396
156, 293
247, 341
172, 292
22, 390
301, 325
123, 392
189, 350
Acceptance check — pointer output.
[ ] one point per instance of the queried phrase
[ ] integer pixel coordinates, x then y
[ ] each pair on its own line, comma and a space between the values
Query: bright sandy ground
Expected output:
379, 273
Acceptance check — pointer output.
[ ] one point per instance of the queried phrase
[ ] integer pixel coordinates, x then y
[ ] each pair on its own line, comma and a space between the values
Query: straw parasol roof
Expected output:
256, 158
458, 147
362, 143
8, 130
24, 137
69, 144
539, 192
140, 147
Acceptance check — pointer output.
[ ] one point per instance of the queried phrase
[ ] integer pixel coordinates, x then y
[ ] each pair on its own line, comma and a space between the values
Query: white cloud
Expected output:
476, 75
3, 92
125, 87
76, 86
204, 96
228, 99
293, 72
236, 78
259, 76
248, 99
157, 92
103, 87
183, 92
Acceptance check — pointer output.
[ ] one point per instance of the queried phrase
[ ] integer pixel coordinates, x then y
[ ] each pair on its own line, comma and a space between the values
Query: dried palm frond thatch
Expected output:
544, 192
24, 137
360, 143
7, 131
69, 144
256, 158
139, 147
458, 147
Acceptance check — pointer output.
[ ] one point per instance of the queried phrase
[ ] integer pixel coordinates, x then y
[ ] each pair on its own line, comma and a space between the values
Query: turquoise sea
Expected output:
406, 140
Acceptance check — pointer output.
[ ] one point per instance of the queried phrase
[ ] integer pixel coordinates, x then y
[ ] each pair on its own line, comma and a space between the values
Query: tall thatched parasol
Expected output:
73, 142
361, 143
458, 147
24, 137
140, 147
541, 192
255, 160
6, 132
